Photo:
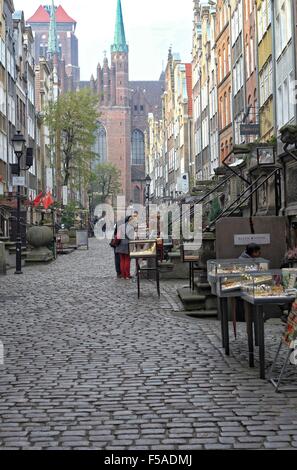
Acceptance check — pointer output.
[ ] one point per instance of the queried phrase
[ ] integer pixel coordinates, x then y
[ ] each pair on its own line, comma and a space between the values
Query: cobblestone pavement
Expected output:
87, 365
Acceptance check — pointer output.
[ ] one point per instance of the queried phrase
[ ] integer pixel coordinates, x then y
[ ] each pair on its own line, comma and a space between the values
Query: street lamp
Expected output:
19, 144
19, 147
148, 181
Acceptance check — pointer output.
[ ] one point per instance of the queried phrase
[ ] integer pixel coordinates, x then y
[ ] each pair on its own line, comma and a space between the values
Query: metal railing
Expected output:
240, 202
191, 210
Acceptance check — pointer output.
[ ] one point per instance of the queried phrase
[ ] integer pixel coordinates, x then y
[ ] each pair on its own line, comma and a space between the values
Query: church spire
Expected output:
53, 47
119, 44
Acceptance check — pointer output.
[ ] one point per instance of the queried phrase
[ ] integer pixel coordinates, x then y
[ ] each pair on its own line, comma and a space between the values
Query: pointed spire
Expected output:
53, 47
119, 44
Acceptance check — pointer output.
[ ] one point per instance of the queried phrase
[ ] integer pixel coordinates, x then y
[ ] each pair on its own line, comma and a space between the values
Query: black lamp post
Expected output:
19, 146
148, 181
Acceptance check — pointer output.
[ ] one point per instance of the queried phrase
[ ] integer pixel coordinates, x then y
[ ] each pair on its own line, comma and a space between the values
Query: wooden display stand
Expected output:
145, 250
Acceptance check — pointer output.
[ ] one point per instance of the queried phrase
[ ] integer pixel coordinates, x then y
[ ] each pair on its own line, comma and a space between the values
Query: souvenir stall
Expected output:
253, 282
227, 278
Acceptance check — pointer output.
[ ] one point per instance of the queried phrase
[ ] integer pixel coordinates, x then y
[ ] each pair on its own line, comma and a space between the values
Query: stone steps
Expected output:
190, 299
12, 250
202, 287
193, 300
165, 266
203, 313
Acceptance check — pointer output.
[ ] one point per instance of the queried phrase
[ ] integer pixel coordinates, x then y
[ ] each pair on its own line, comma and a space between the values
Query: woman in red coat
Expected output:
126, 233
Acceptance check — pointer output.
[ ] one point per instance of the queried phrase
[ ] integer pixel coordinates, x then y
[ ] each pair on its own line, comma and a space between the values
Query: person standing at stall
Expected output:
252, 251
114, 243
126, 233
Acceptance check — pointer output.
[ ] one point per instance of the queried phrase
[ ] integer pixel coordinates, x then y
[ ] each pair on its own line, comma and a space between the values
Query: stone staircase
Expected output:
10, 252
200, 301
173, 268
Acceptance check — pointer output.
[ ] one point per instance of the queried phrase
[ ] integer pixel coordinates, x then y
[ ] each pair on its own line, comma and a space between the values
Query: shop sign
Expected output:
246, 239
250, 129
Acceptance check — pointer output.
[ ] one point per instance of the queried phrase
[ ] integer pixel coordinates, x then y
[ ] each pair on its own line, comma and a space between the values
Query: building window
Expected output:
101, 143
136, 195
137, 147
141, 107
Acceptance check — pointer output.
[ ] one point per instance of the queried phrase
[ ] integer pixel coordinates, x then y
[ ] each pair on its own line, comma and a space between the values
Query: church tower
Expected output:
114, 107
120, 60
53, 53
53, 47
124, 106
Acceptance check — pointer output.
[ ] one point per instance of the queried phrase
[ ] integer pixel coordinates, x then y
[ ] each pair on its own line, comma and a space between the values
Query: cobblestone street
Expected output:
87, 365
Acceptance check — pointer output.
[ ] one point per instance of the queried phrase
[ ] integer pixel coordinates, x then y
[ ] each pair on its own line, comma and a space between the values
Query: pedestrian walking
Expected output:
126, 232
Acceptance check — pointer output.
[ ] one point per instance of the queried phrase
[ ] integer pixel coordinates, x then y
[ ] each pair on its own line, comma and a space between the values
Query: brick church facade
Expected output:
124, 108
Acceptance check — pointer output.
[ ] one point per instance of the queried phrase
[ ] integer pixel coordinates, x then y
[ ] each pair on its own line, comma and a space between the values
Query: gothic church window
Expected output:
136, 195
137, 147
101, 143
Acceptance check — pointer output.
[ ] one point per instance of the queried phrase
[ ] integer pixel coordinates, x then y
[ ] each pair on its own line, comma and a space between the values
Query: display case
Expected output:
141, 249
267, 286
229, 267
229, 286
190, 252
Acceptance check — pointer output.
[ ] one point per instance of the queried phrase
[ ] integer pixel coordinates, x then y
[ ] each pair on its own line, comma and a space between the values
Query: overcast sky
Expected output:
151, 27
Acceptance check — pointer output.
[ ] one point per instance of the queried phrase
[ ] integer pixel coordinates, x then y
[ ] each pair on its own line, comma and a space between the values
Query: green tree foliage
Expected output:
106, 181
73, 117
68, 217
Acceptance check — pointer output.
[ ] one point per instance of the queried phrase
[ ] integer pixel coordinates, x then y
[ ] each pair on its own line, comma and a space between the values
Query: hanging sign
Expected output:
49, 179
250, 129
18, 181
65, 195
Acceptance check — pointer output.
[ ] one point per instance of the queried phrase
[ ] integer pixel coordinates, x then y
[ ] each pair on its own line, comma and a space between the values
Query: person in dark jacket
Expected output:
252, 251
126, 232
117, 258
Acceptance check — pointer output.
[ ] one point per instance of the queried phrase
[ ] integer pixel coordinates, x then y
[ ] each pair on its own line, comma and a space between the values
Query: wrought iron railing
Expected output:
251, 190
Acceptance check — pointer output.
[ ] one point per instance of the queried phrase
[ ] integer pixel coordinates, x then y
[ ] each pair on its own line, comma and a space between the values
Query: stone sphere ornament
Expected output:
40, 236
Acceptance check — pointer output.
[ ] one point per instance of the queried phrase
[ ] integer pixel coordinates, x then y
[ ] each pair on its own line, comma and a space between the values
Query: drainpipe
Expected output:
7, 118
231, 71
256, 55
274, 66
294, 39
244, 64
